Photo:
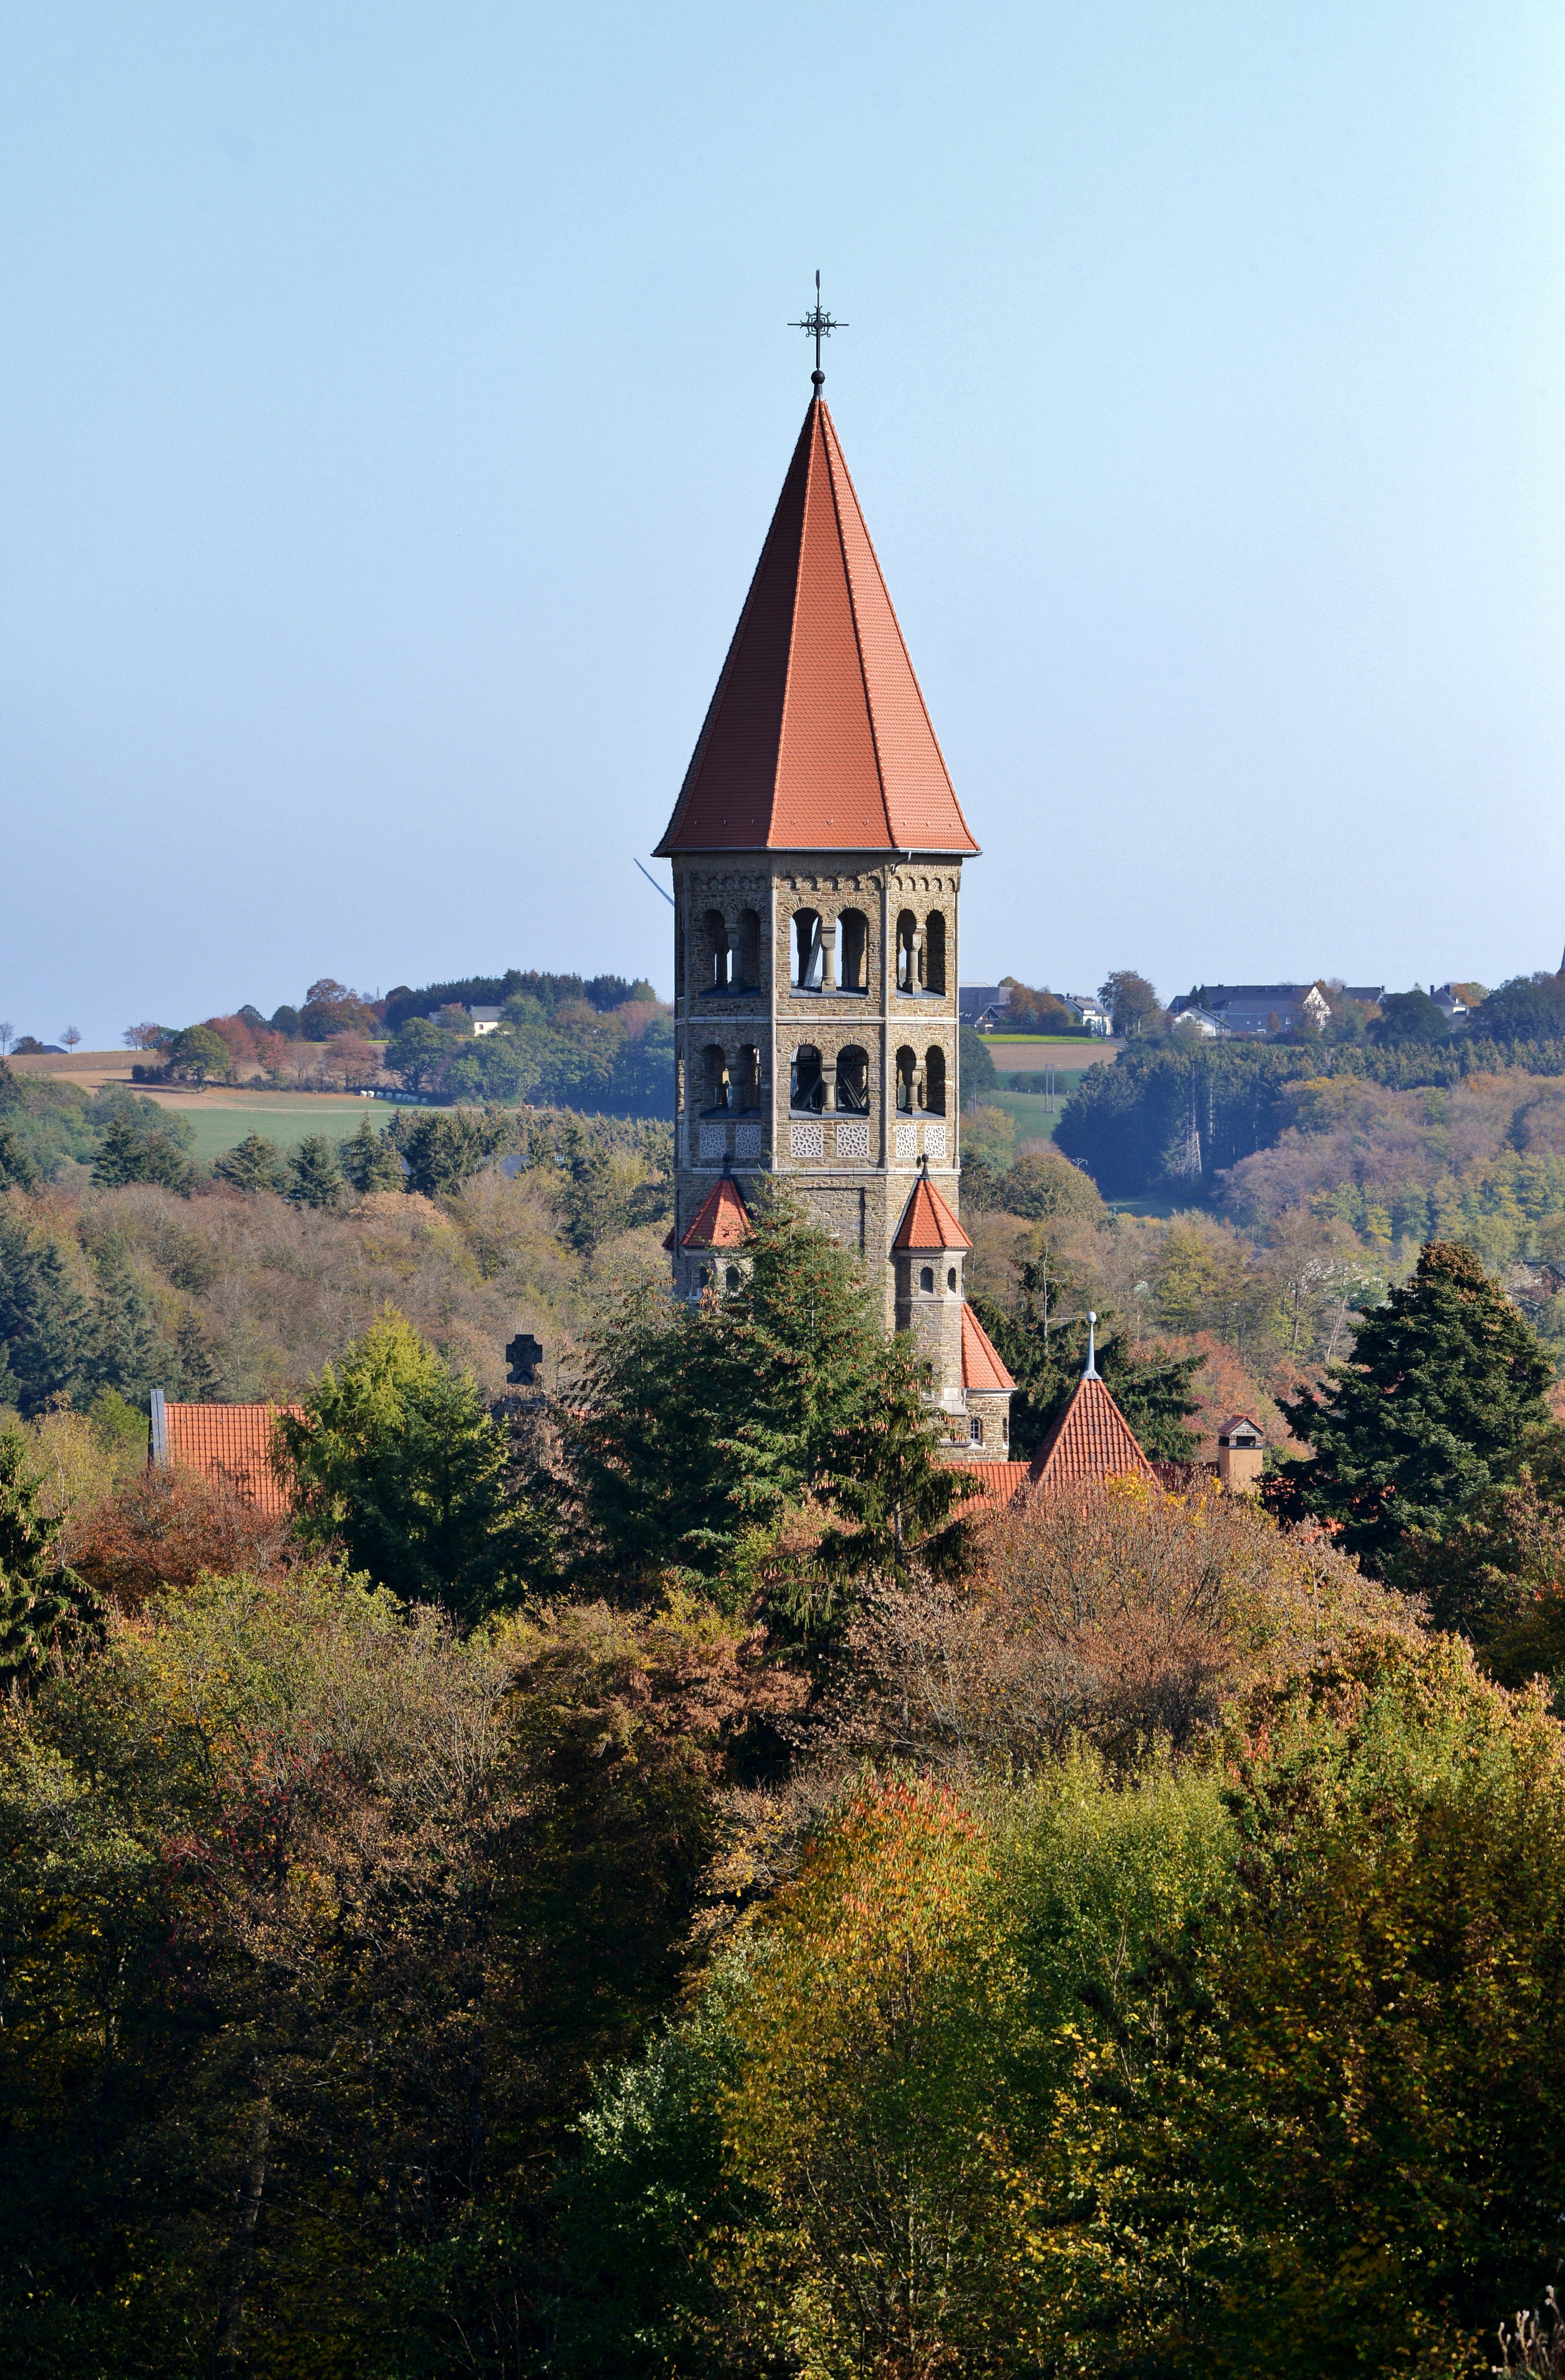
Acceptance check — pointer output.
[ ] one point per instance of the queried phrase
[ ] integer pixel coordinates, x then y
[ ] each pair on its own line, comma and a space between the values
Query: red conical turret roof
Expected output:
817, 738
723, 1220
927, 1222
1091, 1440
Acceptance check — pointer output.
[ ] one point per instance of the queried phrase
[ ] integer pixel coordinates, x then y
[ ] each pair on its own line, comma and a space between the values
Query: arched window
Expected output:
808, 954
806, 1088
907, 1067
732, 1277
712, 955
907, 960
853, 949
852, 1083
714, 1079
951, 1278
743, 1086
927, 1281
744, 970
934, 953
934, 1081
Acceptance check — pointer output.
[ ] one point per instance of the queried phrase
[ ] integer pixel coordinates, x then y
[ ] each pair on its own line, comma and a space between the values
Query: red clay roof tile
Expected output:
981, 1367
232, 1443
818, 737
1091, 1440
927, 1222
998, 1483
723, 1220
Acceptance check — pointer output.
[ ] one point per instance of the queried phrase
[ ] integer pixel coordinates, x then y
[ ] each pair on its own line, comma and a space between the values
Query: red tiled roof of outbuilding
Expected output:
724, 1219
231, 1443
981, 1366
998, 1483
818, 737
1091, 1439
927, 1222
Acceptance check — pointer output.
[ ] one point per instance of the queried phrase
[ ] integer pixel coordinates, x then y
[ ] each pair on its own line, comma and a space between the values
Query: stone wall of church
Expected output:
817, 1035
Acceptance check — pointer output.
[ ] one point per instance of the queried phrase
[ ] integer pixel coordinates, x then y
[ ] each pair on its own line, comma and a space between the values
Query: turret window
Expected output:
927, 1281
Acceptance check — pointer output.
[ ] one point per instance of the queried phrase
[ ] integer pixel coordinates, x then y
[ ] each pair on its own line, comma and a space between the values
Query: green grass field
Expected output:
286, 1121
1029, 1113
1048, 1042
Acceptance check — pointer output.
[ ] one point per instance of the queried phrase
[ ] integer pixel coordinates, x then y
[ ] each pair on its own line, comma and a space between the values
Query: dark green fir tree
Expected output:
371, 1162
17, 1170
41, 1597
317, 1178
1443, 1397
256, 1163
139, 1144
130, 1352
47, 1331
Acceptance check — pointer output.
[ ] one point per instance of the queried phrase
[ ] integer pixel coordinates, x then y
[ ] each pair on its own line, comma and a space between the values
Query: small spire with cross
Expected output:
819, 325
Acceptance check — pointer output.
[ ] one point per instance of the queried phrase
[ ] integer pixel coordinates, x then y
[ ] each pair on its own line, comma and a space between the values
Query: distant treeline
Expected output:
600, 992
1166, 1118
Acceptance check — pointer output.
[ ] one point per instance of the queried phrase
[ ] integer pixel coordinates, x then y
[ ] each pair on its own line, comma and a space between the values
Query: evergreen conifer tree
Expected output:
129, 1355
371, 1161
47, 1325
397, 1459
1445, 1386
317, 1178
699, 1424
17, 1170
139, 1144
39, 1595
256, 1163
198, 1374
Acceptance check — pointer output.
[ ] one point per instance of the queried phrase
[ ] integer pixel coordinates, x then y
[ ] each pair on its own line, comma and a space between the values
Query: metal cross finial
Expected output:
819, 325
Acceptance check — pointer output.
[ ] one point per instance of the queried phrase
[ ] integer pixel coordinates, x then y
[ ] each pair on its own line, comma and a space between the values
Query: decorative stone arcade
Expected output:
816, 847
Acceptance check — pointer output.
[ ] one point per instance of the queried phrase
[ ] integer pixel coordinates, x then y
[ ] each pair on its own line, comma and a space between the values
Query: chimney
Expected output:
1240, 1456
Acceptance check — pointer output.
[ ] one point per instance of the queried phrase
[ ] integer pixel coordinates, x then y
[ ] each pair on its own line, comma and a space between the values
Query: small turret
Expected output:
1241, 1455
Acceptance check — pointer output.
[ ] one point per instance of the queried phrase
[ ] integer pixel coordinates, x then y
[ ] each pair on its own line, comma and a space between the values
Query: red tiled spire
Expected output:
1091, 1440
723, 1220
927, 1222
817, 738
981, 1366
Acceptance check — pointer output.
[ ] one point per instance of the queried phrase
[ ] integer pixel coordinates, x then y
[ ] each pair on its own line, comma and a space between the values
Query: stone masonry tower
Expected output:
817, 846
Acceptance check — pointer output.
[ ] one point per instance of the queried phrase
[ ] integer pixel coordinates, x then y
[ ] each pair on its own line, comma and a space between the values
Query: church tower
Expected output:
816, 847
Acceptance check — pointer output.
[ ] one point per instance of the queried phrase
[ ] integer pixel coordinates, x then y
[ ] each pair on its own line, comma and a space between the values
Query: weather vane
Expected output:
819, 325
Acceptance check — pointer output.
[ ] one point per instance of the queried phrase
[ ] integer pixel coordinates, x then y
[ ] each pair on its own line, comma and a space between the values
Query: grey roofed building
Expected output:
1254, 1009
980, 1004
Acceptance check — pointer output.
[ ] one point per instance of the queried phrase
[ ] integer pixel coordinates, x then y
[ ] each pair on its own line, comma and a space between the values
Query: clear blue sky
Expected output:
393, 400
